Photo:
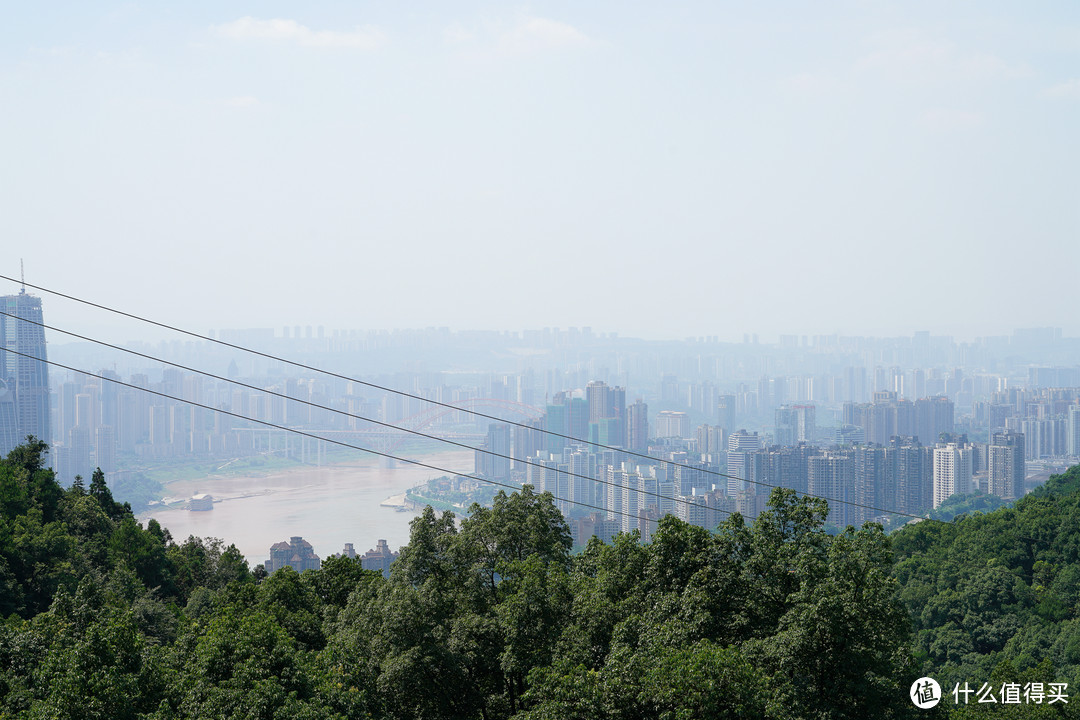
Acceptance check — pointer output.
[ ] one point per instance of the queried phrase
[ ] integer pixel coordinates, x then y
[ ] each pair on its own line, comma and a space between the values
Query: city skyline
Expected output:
989, 401
907, 424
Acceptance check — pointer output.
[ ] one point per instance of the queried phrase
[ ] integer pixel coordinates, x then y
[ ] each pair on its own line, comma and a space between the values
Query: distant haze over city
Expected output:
660, 172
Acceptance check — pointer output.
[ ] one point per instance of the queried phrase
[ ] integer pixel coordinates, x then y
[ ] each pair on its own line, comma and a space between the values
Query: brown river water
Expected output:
328, 506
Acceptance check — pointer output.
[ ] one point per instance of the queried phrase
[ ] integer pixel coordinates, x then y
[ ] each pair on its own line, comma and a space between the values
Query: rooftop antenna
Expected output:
22, 274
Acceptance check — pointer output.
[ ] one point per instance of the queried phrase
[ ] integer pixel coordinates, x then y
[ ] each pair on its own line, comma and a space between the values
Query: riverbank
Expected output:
328, 506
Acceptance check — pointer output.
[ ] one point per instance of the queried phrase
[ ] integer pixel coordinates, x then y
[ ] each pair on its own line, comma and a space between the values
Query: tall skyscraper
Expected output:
25, 374
600, 399
583, 465
9, 429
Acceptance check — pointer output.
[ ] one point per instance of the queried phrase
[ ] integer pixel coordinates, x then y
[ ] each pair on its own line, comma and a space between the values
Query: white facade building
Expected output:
952, 471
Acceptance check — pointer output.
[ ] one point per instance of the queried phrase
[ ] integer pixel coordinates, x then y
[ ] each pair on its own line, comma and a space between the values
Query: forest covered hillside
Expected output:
496, 618
997, 595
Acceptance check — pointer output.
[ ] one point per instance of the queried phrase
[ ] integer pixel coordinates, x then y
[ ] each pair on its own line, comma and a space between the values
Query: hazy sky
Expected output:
653, 169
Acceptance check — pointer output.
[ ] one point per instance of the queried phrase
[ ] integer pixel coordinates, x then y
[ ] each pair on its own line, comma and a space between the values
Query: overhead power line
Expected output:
476, 413
312, 436
348, 414
380, 453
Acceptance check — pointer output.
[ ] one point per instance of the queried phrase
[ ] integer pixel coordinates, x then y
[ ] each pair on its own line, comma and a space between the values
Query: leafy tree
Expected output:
696, 681
290, 599
29, 457
91, 661
241, 665
339, 577
532, 613
840, 649
203, 562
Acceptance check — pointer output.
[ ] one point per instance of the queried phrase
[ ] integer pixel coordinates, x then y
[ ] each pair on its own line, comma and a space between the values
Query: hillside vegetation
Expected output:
497, 619
996, 596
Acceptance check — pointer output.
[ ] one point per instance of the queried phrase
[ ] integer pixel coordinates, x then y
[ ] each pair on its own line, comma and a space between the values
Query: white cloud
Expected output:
534, 33
364, 37
529, 34
242, 101
949, 120
1067, 89
914, 56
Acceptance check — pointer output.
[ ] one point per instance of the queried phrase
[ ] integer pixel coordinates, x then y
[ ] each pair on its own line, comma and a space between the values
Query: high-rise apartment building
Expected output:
527, 441
952, 471
1072, 444
637, 426
493, 457
607, 414
1006, 465
786, 466
566, 416
692, 477
670, 423
711, 440
870, 483
551, 476
910, 482
25, 374
1043, 437
297, 553
795, 424
582, 466
933, 416
604, 401
725, 412
888, 417
741, 445
831, 475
